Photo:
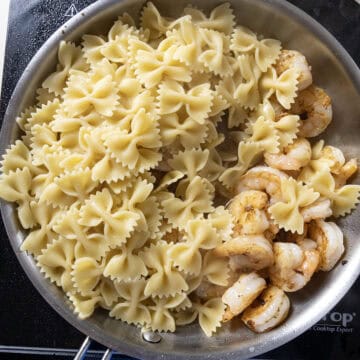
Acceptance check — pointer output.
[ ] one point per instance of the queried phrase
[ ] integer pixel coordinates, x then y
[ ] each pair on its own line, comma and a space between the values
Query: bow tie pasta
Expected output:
164, 174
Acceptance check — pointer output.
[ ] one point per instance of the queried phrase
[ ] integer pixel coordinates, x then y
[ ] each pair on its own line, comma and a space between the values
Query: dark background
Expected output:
26, 320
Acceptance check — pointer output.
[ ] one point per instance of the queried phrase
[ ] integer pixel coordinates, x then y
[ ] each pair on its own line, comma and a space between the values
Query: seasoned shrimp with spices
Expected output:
313, 105
320, 209
345, 173
241, 294
248, 210
293, 266
292, 59
263, 178
335, 158
268, 311
247, 253
292, 157
330, 241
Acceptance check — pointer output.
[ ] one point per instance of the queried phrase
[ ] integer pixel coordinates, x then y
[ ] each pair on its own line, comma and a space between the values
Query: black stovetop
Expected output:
28, 324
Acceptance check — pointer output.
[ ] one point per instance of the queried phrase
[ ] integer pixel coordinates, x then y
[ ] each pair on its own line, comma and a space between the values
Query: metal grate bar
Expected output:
83, 349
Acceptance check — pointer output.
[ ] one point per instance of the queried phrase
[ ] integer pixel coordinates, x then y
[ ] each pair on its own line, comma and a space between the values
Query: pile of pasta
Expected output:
131, 152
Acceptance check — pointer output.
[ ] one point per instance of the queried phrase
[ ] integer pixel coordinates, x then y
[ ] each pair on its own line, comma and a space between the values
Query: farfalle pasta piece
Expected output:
16, 157
88, 244
114, 48
108, 170
219, 105
150, 209
287, 127
214, 56
185, 317
56, 261
119, 186
77, 183
84, 306
63, 123
248, 154
343, 199
130, 308
118, 223
190, 162
133, 97
43, 96
284, 86
43, 115
199, 235
215, 269
247, 91
210, 315
154, 65
93, 45
286, 213
54, 196
169, 178
165, 280
196, 102
136, 149
38, 238
41, 137
188, 47
221, 18
155, 23
24, 117
181, 128
136, 194
214, 166
264, 133
85, 92
92, 151
226, 89
196, 201
265, 51
69, 57
52, 158
15, 187
161, 318
124, 265
86, 274
108, 293
221, 219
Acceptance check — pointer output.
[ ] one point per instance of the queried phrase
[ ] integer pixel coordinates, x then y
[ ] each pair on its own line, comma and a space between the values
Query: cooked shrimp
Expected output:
348, 170
306, 243
273, 229
293, 156
251, 252
315, 110
263, 178
292, 59
279, 111
293, 267
335, 156
249, 212
270, 310
241, 294
320, 209
330, 242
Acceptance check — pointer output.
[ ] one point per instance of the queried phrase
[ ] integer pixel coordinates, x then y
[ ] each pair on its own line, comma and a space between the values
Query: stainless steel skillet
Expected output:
333, 69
